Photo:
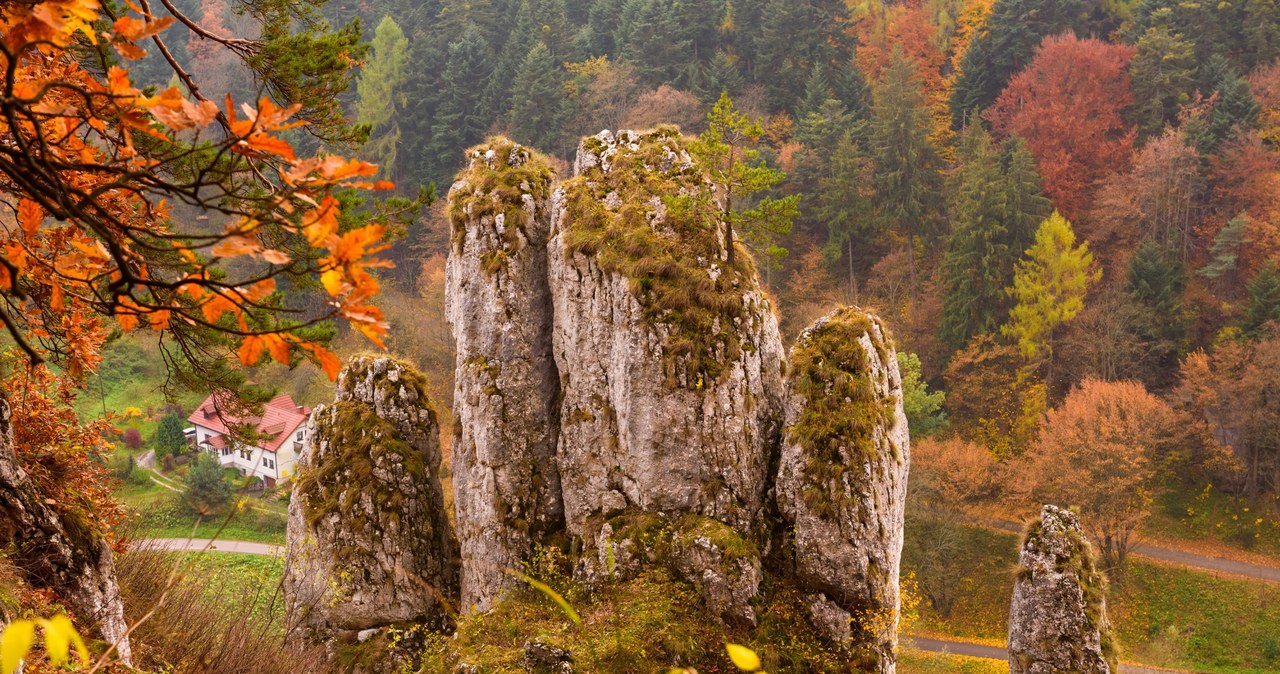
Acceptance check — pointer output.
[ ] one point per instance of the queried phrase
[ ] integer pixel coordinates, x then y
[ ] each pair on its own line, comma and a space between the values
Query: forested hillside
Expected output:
928, 144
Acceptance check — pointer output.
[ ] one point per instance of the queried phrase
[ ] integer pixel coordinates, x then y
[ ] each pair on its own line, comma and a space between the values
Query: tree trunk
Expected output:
70, 560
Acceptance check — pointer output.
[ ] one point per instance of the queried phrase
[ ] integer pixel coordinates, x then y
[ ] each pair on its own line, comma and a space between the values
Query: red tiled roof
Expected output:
216, 441
280, 418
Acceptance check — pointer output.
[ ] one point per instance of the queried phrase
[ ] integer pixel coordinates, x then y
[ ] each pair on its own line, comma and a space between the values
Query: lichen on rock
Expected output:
842, 476
1058, 617
506, 484
369, 541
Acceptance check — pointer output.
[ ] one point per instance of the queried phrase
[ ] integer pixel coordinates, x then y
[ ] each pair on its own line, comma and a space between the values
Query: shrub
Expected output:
208, 491
133, 439
169, 437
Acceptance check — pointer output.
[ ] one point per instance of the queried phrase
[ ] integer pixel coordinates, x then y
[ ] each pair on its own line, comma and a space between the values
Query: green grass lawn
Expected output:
238, 581
1211, 515
1164, 616
157, 512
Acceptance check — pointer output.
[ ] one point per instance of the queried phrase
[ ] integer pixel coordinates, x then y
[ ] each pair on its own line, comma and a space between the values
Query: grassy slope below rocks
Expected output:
1164, 616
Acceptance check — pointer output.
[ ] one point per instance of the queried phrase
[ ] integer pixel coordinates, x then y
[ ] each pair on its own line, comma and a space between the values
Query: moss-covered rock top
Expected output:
644, 209
504, 181
836, 376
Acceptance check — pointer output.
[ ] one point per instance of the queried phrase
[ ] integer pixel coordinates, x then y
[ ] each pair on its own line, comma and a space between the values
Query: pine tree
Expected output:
794, 37
536, 100
378, 91
1025, 205
978, 258
1262, 31
1264, 300
170, 439
1157, 279
515, 49
850, 86
1163, 70
720, 76
727, 150
460, 122
1225, 251
1236, 106
907, 180
648, 37
1049, 287
843, 203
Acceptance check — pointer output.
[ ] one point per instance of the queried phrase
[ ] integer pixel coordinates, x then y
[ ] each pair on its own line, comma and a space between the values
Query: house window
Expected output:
226, 451
270, 463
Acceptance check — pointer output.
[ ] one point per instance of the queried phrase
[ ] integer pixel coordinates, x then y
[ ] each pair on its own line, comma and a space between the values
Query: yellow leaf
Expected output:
15, 643
743, 658
59, 635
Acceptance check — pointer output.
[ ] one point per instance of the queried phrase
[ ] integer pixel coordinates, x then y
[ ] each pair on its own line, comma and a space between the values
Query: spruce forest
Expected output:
677, 336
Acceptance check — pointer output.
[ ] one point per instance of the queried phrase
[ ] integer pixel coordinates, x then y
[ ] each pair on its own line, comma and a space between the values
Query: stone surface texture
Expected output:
1058, 618
643, 428
76, 564
842, 479
369, 541
507, 488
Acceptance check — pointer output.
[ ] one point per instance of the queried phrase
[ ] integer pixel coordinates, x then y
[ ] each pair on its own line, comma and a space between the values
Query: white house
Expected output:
281, 431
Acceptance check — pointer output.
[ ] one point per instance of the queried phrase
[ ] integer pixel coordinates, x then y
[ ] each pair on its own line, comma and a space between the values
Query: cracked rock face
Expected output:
507, 488
669, 356
76, 564
1058, 618
369, 541
842, 479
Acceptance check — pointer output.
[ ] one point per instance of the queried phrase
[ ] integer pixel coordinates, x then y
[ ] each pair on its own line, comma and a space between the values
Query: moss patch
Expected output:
499, 190
661, 233
359, 440
841, 412
649, 623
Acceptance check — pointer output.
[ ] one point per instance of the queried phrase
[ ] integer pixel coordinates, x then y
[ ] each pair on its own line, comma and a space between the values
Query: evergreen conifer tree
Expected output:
536, 101
908, 184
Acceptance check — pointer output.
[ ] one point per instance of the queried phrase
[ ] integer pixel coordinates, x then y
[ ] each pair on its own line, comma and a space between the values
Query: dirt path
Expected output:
933, 645
206, 545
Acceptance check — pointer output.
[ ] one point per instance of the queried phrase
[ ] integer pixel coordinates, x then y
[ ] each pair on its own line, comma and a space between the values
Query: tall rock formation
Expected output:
507, 488
54, 554
369, 541
670, 364
842, 481
1058, 618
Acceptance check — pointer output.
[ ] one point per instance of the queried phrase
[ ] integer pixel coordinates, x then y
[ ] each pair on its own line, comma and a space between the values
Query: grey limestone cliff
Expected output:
369, 541
1058, 618
842, 478
670, 361
507, 488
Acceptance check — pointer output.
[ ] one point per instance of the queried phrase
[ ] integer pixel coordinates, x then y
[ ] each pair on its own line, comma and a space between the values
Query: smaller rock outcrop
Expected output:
842, 481
369, 541
505, 476
57, 553
1058, 618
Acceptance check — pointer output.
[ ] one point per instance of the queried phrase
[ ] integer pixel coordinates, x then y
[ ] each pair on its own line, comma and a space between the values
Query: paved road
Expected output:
1181, 557
998, 653
204, 544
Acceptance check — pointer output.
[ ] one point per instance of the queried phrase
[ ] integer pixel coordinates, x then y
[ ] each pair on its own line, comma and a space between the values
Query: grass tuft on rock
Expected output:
497, 185
841, 413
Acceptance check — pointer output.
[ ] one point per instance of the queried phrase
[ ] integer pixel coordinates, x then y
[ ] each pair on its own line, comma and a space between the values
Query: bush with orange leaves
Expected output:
1100, 452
